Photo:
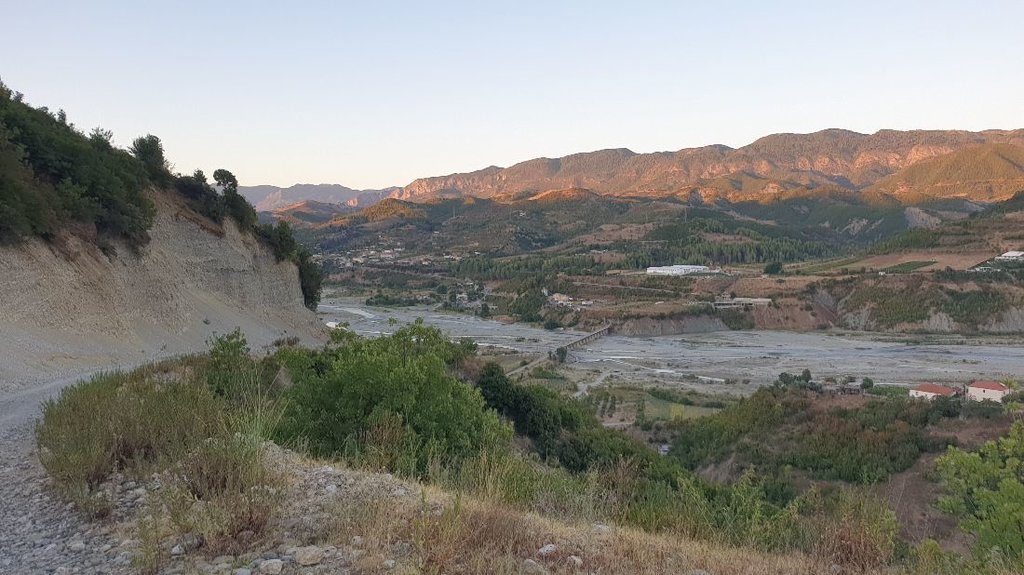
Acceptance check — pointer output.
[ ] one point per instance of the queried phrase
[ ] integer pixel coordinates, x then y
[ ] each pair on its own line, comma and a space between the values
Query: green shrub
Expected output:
888, 391
229, 362
986, 492
344, 398
201, 196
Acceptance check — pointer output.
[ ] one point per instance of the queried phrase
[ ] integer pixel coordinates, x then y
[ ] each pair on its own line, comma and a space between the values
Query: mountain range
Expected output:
268, 198
906, 167
986, 165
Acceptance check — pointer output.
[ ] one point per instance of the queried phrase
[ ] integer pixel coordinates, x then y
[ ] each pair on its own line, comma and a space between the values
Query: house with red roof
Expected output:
930, 391
984, 390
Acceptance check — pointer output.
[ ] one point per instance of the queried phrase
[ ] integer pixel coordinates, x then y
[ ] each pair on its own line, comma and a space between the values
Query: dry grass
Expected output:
163, 420
456, 534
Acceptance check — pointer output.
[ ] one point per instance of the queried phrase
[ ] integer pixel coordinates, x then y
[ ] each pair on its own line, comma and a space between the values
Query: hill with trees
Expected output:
56, 180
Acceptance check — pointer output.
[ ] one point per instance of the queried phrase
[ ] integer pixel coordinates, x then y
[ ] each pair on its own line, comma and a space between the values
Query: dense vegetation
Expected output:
402, 403
688, 242
862, 445
390, 399
968, 304
986, 490
52, 176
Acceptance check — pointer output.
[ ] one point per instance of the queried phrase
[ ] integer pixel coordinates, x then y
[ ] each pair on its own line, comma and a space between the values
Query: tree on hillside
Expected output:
149, 150
226, 180
237, 206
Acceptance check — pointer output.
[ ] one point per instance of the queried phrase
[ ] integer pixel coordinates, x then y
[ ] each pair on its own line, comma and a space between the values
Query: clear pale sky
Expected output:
377, 93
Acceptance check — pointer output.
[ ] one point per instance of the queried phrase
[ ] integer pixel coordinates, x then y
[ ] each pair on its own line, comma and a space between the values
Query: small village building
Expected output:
560, 299
1015, 256
731, 302
677, 270
930, 391
987, 391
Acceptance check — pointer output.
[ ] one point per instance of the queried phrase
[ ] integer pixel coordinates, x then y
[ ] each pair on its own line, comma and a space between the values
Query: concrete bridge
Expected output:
576, 343
589, 337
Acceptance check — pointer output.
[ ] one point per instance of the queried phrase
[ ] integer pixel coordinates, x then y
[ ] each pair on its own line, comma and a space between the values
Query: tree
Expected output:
226, 180
806, 375
311, 278
280, 239
237, 206
867, 383
51, 173
149, 150
101, 136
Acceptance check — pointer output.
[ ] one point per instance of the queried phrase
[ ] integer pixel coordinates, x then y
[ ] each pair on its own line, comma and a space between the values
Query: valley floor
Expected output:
708, 361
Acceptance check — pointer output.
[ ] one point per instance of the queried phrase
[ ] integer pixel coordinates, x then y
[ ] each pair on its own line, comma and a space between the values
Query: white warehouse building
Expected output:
677, 270
1011, 257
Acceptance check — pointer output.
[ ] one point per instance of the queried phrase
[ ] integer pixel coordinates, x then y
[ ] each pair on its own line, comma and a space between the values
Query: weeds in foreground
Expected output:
197, 423
149, 556
121, 422
221, 490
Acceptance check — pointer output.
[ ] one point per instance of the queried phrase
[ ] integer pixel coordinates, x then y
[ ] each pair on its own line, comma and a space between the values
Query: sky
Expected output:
375, 94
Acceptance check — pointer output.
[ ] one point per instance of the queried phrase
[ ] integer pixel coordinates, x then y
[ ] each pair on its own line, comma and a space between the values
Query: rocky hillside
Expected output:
834, 158
69, 306
984, 173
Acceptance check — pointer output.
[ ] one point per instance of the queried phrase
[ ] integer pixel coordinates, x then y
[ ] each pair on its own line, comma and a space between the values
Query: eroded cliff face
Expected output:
67, 306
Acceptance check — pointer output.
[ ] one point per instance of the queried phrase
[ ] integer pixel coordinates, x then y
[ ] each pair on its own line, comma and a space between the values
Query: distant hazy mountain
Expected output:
942, 163
268, 198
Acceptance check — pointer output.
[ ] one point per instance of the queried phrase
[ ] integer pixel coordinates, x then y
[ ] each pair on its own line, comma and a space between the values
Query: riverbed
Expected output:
731, 360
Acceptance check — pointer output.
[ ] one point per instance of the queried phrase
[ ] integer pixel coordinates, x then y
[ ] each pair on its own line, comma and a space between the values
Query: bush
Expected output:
987, 493
527, 306
201, 196
345, 400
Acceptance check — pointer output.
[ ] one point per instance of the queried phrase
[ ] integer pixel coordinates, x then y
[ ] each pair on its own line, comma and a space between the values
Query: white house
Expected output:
987, 391
930, 391
1011, 257
677, 270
